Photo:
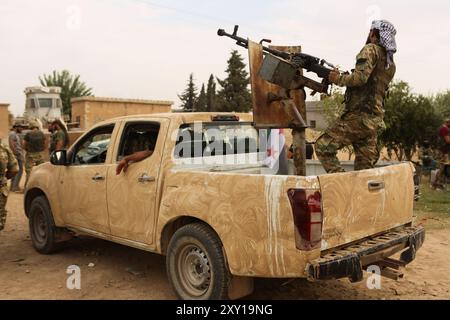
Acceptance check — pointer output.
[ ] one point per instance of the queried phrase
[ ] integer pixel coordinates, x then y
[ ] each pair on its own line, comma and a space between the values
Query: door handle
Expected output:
145, 178
376, 185
98, 177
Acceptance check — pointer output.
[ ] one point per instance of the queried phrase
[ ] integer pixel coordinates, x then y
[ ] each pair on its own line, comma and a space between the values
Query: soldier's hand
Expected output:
333, 77
10, 174
123, 165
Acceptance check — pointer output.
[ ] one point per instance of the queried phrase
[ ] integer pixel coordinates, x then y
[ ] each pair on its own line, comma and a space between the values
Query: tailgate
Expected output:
364, 203
350, 261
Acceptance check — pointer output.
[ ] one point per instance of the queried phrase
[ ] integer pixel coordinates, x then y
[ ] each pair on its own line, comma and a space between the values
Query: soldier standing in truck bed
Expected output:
8, 169
367, 85
34, 145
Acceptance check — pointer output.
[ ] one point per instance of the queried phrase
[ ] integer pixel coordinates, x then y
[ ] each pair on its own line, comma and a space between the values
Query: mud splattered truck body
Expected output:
221, 223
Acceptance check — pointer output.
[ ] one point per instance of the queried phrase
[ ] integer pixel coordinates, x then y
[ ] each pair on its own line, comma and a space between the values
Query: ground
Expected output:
112, 271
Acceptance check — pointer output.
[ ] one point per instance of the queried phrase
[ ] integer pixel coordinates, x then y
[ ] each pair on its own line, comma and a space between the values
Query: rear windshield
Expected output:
216, 139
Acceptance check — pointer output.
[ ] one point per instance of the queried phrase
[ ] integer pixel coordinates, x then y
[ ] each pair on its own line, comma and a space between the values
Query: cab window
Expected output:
93, 148
138, 136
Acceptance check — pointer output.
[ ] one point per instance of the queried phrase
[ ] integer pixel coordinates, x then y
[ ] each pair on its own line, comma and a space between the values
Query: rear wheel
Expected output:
42, 227
196, 264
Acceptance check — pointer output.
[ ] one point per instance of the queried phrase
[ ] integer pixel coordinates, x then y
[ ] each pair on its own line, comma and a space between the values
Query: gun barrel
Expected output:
244, 43
301, 60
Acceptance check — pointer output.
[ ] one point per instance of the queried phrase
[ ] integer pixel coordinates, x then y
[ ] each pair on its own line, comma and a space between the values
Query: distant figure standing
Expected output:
426, 155
59, 139
276, 152
34, 145
8, 169
15, 144
443, 155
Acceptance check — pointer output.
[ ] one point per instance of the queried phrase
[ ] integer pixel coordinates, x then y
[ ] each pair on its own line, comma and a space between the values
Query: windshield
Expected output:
45, 102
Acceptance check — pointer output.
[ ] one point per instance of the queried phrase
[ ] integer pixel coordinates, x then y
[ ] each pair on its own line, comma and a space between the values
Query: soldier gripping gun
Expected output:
290, 77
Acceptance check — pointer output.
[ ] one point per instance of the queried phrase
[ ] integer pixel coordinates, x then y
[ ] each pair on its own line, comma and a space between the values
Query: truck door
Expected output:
83, 183
132, 202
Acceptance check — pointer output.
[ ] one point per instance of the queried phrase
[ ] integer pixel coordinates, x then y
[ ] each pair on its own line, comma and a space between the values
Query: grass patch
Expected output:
433, 207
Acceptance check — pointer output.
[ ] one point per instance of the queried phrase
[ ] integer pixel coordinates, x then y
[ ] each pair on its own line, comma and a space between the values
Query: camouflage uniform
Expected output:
362, 120
8, 163
35, 147
57, 136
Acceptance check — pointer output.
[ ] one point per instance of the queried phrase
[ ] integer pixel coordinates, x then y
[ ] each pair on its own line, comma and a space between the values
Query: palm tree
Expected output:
71, 87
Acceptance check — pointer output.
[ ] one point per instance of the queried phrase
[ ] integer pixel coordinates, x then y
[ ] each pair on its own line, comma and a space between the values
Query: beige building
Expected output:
87, 111
4, 122
314, 115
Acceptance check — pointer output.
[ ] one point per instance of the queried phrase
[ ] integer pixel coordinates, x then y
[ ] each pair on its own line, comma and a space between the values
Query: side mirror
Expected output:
59, 158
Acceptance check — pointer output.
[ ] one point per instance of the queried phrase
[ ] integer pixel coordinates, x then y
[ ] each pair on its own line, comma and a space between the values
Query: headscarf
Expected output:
387, 38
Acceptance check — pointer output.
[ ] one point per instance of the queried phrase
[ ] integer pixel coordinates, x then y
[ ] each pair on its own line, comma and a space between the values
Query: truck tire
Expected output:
196, 265
42, 227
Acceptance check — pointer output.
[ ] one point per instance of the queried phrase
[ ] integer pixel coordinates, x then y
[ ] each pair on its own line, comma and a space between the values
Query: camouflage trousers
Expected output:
356, 129
3, 199
441, 178
31, 160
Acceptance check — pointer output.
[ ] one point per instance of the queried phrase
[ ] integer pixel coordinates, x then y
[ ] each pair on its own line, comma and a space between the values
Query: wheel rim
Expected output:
194, 270
39, 226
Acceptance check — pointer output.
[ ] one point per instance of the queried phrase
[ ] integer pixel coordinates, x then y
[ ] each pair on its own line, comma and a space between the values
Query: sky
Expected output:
143, 49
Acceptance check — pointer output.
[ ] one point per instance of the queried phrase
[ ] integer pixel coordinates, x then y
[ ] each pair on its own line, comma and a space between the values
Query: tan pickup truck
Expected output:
206, 200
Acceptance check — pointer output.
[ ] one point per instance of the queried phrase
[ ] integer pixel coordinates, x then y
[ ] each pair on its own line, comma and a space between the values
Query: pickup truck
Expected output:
206, 200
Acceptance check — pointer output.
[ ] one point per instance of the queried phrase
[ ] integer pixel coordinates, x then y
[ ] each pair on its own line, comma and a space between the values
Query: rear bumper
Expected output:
350, 261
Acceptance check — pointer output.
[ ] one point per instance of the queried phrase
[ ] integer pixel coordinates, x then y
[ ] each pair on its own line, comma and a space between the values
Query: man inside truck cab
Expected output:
367, 85
140, 147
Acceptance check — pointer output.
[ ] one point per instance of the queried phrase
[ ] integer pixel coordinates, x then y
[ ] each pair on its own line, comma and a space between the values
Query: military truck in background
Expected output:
43, 104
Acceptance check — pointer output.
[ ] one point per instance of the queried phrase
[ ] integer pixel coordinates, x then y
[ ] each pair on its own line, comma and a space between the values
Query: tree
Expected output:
211, 95
333, 106
71, 87
200, 103
410, 120
442, 103
234, 94
189, 96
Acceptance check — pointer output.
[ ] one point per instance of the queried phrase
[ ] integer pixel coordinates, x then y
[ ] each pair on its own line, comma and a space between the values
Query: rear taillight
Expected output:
308, 218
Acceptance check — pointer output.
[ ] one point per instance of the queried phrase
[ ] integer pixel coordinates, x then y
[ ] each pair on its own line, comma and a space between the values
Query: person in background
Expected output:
8, 169
426, 155
59, 138
443, 155
34, 145
15, 144
277, 158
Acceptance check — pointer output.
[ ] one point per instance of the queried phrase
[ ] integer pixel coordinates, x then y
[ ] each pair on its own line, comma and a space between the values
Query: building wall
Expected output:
4, 122
314, 113
88, 111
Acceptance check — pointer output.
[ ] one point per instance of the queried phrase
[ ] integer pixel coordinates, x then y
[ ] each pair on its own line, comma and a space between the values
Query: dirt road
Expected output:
119, 272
